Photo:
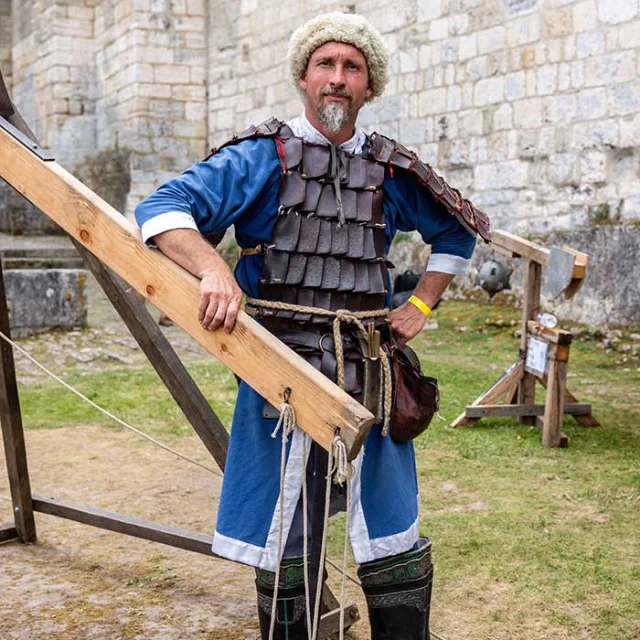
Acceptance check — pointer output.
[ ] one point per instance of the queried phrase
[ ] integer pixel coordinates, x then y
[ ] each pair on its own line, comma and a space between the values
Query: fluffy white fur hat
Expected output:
340, 27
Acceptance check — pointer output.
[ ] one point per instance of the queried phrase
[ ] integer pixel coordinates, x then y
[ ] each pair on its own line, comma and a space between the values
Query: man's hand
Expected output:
407, 321
220, 298
220, 295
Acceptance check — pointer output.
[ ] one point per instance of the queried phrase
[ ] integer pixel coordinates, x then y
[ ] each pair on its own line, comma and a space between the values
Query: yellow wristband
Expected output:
416, 302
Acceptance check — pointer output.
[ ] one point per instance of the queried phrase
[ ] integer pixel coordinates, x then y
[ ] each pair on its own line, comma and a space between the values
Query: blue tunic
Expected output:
239, 186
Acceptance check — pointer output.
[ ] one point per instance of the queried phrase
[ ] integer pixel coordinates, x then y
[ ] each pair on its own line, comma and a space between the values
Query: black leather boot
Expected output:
398, 592
291, 619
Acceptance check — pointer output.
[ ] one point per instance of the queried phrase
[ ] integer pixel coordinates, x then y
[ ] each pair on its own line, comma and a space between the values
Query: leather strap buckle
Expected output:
320, 339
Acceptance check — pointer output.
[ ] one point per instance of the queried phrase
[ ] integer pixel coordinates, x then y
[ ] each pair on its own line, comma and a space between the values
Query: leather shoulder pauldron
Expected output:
268, 129
389, 152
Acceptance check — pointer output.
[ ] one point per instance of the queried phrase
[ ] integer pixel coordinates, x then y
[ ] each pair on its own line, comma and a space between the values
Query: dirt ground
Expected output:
80, 582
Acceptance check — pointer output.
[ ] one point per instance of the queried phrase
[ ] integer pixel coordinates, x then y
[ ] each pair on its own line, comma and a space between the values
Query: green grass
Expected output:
543, 542
134, 395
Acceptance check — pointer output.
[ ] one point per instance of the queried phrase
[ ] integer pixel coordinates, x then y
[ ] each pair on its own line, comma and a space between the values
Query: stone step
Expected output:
38, 252
42, 262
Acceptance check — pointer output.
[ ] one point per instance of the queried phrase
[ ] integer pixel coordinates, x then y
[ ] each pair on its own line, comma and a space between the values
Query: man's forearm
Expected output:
220, 295
190, 250
432, 285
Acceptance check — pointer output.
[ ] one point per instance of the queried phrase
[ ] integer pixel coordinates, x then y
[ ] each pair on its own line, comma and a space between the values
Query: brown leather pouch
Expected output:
415, 397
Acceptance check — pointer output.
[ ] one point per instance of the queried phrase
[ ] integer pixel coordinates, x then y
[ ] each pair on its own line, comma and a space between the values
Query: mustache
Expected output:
341, 93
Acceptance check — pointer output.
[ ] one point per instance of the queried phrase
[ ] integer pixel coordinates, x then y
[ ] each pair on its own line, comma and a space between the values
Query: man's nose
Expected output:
338, 77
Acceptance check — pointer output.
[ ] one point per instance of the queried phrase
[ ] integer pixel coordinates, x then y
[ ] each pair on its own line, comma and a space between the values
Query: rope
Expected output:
122, 423
387, 391
305, 534
339, 317
286, 422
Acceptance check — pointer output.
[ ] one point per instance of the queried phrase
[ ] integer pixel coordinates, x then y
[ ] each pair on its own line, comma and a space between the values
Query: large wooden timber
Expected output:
249, 350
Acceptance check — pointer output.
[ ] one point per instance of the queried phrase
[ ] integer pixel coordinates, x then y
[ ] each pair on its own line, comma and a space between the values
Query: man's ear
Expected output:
302, 81
369, 93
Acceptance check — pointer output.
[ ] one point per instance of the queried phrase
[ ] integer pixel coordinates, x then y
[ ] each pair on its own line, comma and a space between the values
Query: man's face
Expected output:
336, 84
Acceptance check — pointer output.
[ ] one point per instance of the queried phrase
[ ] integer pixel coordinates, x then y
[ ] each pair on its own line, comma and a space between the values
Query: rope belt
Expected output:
339, 317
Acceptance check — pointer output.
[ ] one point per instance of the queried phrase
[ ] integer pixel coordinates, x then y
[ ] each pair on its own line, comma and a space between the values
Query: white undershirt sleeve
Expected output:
447, 263
166, 222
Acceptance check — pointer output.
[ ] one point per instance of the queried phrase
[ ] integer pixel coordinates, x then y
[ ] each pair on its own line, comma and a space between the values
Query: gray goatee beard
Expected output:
333, 116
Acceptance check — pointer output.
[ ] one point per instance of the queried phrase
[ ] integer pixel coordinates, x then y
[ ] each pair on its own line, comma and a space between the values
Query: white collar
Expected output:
302, 128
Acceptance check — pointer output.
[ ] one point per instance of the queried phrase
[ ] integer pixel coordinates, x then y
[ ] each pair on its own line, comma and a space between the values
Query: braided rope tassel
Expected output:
387, 391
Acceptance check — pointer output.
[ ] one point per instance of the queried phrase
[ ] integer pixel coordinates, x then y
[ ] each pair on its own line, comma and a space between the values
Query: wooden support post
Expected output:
12, 433
531, 308
330, 614
554, 401
164, 359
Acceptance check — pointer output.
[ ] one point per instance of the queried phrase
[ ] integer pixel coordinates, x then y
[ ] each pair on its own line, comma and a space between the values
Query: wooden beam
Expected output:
164, 359
162, 533
330, 622
516, 246
12, 432
519, 247
530, 309
554, 402
556, 336
500, 387
253, 353
502, 410
8, 533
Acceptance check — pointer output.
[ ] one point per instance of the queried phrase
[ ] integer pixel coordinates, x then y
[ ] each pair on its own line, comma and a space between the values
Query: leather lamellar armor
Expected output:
328, 247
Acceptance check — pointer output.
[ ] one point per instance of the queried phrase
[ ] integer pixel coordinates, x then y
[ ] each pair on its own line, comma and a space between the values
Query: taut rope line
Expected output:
122, 423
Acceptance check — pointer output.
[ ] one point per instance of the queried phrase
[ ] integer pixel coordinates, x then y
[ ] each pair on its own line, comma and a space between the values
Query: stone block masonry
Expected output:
538, 99
111, 77
41, 299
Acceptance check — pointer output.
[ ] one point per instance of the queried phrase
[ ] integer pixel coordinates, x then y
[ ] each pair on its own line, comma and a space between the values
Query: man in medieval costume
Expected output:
315, 203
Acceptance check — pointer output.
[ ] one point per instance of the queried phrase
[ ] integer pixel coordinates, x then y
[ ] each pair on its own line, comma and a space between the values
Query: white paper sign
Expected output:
536, 361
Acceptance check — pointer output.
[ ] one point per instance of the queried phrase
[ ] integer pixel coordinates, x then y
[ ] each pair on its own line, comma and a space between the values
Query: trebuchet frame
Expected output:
516, 386
103, 237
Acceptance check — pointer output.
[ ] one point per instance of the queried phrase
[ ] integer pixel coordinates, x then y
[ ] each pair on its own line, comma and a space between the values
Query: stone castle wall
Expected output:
530, 107
5, 39
115, 77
